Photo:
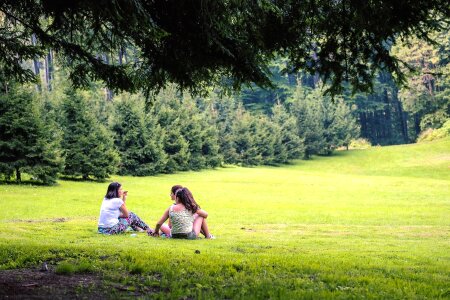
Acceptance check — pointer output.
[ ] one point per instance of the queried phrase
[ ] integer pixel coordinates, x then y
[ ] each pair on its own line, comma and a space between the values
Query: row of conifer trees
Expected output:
79, 134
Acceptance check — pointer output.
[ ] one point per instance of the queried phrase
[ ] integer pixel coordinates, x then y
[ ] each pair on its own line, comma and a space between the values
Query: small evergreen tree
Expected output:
223, 115
291, 146
200, 134
267, 136
28, 144
140, 154
156, 136
339, 125
243, 130
176, 148
210, 146
167, 111
87, 144
192, 131
307, 109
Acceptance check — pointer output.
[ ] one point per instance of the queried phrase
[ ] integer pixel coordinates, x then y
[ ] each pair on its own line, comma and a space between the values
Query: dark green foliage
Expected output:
167, 109
267, 136
224, 116
210, 147
87, 144
244, 131
192, 132
201, 136
308, 111
141, 152
196, 43
339, 125
260, 99
290, 146
176, 149
323, 124
28, 143
190, 137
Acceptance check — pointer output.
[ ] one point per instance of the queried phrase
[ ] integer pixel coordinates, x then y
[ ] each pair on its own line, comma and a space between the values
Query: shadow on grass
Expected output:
24, 182
31, 182
80, 179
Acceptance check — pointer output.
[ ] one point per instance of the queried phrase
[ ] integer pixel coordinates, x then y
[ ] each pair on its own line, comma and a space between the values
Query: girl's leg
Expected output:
205, 229
201, 230
200, 224
136, 222
166, 230
118, 228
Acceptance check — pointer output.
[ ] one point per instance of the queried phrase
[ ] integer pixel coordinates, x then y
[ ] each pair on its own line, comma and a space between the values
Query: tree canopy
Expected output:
143, 45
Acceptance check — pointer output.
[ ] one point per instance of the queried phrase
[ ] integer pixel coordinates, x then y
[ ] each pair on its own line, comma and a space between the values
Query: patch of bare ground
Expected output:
35, 284
38, 284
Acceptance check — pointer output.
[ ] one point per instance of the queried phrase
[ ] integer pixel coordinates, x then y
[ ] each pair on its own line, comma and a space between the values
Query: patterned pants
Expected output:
133, 221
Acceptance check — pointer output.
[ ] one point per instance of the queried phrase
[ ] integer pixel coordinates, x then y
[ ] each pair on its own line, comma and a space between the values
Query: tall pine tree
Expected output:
140, 154
292, 146
27, 144
307, 109
87, 144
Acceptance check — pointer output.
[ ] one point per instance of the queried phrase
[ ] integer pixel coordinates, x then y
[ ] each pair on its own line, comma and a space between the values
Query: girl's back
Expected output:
181, 219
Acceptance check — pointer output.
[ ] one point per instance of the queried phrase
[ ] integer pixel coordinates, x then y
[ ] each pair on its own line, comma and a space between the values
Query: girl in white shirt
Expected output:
114, 215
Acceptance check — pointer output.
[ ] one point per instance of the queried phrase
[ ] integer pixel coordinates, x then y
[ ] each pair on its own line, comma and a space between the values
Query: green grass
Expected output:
369, 223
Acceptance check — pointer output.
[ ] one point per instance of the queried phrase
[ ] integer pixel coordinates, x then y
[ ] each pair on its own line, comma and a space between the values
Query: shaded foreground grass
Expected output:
371, 223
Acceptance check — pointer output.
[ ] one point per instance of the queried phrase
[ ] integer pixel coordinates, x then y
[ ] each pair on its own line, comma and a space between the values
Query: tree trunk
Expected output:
404, 125
120, 57
125, 55
49, 69
18, 175
108, 93
387, 118
417, 124
36, 64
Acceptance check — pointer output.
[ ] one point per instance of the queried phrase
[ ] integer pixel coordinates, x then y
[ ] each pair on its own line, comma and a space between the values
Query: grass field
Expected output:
361, 224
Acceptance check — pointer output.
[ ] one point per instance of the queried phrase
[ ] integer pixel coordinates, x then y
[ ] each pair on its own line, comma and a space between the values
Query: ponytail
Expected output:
187, 199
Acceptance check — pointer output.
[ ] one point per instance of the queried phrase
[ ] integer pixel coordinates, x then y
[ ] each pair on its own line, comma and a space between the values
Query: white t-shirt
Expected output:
109, 212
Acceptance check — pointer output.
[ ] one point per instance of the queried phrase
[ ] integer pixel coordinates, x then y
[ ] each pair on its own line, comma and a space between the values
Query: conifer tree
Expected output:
211, 145
87, 144
167, 110
156, 136
176, 148
292, 146
266, 136
28, 144
192, 131
140, 154
223, 114
338, 123
200, 134
307, 110
243, 130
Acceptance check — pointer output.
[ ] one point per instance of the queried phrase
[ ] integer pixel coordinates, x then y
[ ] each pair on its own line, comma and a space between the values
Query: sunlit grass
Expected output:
362, 223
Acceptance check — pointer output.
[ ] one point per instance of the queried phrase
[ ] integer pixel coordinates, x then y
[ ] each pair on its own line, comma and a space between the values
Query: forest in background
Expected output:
51, 128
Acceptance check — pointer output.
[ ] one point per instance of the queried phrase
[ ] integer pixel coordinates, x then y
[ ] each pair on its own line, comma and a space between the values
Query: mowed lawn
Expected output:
360, 224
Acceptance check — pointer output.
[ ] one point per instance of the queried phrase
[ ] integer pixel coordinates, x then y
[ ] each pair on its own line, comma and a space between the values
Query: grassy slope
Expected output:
372, 223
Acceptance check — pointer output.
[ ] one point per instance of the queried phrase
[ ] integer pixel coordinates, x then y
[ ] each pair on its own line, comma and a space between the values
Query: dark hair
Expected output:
186, 198
113, 190
175, 188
